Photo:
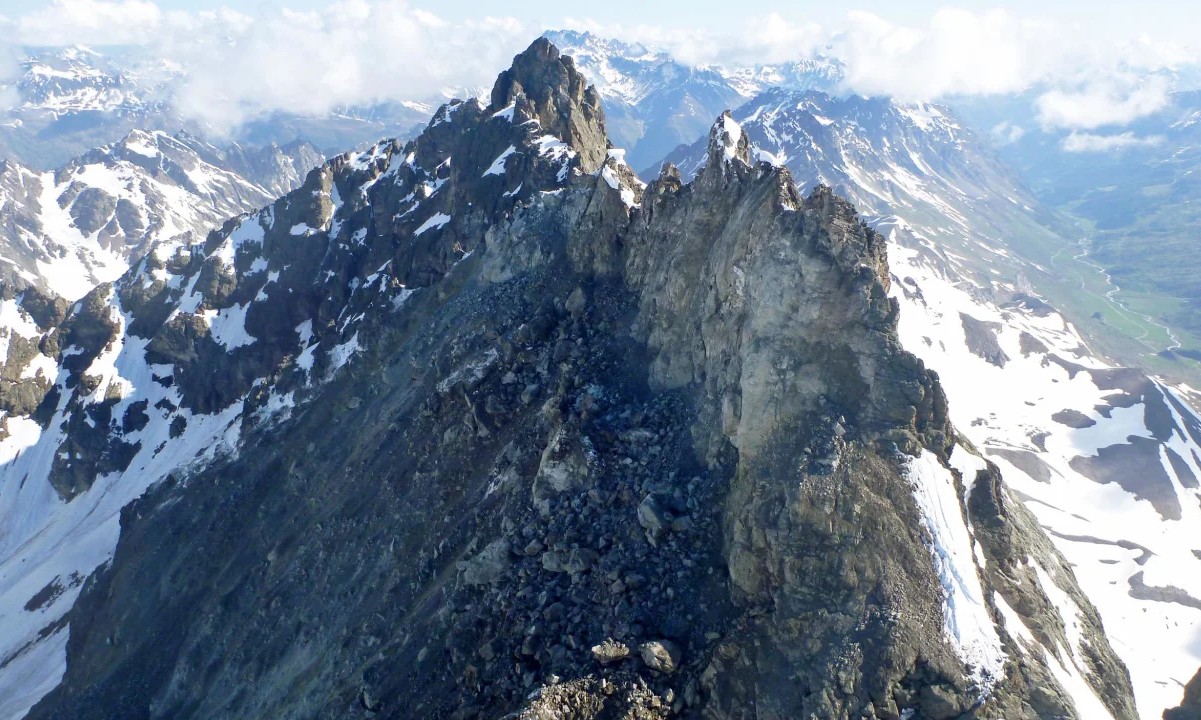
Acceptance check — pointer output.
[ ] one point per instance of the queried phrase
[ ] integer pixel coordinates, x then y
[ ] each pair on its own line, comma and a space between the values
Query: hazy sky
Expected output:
1173, 20
1096, 65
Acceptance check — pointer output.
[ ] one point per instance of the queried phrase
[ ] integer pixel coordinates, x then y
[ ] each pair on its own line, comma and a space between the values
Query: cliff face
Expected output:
1190, 707
517, 436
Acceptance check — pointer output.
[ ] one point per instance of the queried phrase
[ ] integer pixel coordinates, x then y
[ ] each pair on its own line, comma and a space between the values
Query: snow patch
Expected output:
610, 177
498, 165
506, 113
339, 355
228, 326
967, 619
437, 221
732, 134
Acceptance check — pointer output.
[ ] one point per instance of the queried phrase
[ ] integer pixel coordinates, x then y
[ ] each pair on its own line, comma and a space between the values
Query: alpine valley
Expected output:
806, 418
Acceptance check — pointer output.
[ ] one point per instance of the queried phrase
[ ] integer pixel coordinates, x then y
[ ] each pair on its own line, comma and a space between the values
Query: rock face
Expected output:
1107, 458
544, 86
1190, 707
512, 435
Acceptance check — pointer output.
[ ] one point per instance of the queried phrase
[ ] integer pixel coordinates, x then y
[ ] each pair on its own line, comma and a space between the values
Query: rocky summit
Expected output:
1106, 457
481, 426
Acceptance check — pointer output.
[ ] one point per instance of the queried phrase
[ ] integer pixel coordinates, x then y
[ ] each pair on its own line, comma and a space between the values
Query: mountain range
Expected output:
1119, 280
72, 100
677, 442
83, 224
655, 103
715, 453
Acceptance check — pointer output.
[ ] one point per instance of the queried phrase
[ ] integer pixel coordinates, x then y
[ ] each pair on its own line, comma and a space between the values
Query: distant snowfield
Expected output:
1139, 560
81, 263
149, 189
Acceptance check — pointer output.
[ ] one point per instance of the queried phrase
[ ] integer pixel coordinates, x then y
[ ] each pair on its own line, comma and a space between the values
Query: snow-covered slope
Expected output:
63, 233
79, 226
70, 100
63, 81
888, 158
1107, 458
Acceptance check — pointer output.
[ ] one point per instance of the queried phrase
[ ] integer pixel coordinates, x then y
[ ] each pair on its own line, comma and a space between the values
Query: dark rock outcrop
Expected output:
544, 86
1190, 707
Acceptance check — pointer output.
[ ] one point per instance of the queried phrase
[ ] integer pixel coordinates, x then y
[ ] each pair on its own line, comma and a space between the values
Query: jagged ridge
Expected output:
675, 418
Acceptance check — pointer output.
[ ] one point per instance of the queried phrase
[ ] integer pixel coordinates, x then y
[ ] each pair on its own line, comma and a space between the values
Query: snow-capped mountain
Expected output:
293, 257
888, 158
74, 99
1107, 458
818, 73
275, 168
81, 225
481, 425
654, 103
64, 81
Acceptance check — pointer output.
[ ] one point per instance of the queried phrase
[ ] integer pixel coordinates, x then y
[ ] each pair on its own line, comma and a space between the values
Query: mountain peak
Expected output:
577, 43
544, 85
727, 141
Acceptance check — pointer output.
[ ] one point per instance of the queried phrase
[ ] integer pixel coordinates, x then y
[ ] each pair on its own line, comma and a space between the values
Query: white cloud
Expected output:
1080, 142
755, 40
10, 67
238, 68
761, 40
91, 22
355, 52
958, 52
1150, 53
963, 52
1007, 133
1117, 99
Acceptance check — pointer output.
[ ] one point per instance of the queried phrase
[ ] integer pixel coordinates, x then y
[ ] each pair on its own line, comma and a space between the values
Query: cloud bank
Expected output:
93, 22
240, 67
1113, 100
1082, 142
237, 67
958, 52
353, 53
